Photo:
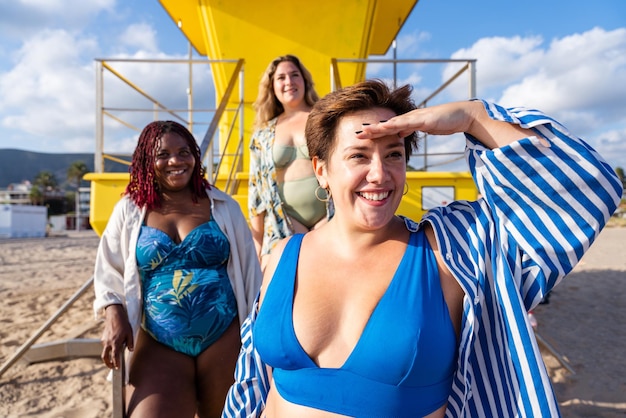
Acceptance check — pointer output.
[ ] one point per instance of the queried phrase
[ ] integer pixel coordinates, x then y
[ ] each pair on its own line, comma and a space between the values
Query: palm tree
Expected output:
35, 195
75, 173
46, 181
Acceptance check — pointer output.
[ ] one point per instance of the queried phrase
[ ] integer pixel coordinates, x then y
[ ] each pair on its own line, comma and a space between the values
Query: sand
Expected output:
585, 323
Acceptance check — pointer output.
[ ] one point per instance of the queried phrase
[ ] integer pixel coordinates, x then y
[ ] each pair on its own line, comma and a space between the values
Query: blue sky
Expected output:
566, 58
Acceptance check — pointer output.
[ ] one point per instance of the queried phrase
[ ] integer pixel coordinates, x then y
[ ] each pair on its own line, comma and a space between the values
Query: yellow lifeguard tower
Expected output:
333, 38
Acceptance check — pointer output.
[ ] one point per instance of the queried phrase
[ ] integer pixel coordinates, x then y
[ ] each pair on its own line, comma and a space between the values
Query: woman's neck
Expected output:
175, 197
300, 108
361, 238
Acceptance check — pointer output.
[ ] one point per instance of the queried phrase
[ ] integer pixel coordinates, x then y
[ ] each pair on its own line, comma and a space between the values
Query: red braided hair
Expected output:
143, 187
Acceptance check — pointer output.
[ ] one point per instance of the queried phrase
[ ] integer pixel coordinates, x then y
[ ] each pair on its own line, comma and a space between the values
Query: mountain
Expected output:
17, 166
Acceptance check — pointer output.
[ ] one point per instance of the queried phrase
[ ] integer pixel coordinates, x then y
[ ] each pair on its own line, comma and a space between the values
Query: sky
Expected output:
565, 58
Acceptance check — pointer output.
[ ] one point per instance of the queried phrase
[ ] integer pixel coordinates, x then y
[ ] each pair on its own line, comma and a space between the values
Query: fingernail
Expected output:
358, 132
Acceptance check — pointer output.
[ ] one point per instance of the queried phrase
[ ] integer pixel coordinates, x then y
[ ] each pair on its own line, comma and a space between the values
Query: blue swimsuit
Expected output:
187, 297
403, 363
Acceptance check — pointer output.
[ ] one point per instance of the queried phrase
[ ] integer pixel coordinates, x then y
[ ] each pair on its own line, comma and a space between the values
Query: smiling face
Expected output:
173, 162
366, 177
288, 84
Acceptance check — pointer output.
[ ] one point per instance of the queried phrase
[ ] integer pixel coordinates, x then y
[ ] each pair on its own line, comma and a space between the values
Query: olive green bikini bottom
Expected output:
299, 201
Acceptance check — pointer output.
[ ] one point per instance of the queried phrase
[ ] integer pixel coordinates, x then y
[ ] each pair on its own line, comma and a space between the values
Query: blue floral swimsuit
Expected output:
187, 297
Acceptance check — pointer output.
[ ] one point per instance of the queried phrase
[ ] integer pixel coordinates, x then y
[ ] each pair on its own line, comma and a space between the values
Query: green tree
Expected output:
620, 173
46, 181
36, 196
75, 173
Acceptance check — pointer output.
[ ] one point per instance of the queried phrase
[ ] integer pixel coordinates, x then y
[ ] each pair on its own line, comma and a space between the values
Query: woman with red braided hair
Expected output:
176, 273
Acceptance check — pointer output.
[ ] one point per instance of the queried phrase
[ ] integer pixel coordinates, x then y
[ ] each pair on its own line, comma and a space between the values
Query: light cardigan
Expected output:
116, 276
541, 208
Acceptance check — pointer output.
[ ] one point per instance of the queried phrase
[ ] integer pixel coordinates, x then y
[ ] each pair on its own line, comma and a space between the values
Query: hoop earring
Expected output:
406, 188
327, 191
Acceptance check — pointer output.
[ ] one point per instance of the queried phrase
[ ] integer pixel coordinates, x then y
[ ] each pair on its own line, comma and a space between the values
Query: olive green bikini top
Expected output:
283, 155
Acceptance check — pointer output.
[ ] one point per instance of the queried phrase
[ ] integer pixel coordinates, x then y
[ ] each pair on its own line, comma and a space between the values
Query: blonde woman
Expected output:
282, 185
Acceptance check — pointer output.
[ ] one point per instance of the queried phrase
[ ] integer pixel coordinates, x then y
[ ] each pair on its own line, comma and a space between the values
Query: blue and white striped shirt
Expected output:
541, 208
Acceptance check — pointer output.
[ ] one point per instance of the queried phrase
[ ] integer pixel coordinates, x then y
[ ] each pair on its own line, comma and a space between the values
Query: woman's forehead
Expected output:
171, 139
286, 67
353, 122
371, 116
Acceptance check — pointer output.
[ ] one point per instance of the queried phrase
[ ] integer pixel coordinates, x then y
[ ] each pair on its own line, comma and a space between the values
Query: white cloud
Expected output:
579, 79
570, 73
23, 18
68, 6
611, 145
139, 36
583, 71
408, 44
166, 83
49, 90
500, 61
583, 84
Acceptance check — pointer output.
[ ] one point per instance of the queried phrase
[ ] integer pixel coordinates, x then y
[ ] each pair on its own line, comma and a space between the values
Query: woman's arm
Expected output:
546, 195
469, 117
117, 334
109, 290
257, 228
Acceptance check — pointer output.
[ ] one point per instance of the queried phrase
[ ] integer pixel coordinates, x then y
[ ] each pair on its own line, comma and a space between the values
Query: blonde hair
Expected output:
266, 105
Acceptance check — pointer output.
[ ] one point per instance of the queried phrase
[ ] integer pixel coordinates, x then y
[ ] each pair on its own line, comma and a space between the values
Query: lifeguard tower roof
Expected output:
315, 31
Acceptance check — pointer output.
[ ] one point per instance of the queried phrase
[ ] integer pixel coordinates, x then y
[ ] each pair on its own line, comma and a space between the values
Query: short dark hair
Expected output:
321, 126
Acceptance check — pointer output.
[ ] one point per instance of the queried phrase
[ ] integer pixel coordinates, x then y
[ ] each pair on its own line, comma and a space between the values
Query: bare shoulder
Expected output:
444, 272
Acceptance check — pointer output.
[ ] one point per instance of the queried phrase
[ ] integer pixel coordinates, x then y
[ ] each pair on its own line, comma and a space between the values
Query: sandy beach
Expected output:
584, 324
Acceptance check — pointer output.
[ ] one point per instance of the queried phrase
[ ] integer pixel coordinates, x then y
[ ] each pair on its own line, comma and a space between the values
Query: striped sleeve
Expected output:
542, 206
551, 201
246, 397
